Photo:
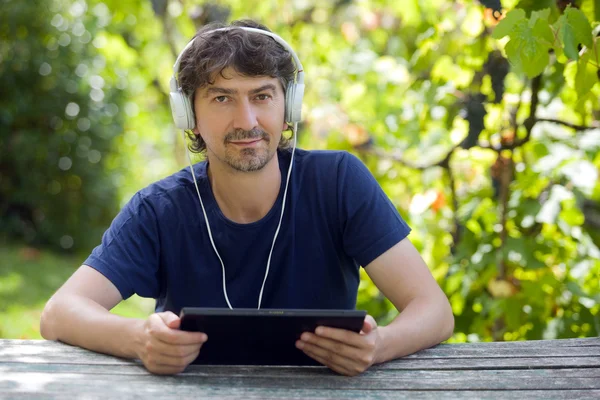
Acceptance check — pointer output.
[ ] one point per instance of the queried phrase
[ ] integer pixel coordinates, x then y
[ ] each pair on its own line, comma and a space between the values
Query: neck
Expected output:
245, 197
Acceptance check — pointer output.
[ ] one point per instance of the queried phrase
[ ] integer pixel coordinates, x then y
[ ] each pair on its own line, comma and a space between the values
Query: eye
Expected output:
263, 97
220, 99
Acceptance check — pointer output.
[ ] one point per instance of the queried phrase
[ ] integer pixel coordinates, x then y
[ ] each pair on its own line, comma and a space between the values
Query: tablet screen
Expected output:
261, 337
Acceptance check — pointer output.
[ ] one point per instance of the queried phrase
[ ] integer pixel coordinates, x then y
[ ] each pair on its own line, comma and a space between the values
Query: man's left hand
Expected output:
346, 352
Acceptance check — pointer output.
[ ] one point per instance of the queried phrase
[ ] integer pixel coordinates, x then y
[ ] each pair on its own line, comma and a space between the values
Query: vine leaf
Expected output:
574, 29
505, 27
586, 76
581, 26
529, 41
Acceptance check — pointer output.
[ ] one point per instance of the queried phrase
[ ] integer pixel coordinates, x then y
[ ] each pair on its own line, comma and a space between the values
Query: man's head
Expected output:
236, 82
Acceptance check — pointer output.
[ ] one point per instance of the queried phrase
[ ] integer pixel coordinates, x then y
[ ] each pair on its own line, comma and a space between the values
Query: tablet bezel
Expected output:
266, 347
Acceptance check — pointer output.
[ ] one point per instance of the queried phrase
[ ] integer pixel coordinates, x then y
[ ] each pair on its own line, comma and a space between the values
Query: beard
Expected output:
247, 159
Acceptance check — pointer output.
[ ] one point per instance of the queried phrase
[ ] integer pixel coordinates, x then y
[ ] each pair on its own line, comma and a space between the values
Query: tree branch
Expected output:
568, 124
457, 231
397, 158
506, 177
536, 84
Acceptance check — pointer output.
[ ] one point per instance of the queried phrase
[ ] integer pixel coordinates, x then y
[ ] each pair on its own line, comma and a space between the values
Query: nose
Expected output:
245, 116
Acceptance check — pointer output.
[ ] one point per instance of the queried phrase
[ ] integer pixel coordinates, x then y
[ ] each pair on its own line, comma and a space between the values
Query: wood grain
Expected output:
549, 369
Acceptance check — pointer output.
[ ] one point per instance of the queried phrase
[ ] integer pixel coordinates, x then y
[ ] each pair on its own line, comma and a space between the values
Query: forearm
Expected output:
422, 324
79, 321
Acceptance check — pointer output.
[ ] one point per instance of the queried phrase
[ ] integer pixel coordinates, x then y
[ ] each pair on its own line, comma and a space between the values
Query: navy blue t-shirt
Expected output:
336, 218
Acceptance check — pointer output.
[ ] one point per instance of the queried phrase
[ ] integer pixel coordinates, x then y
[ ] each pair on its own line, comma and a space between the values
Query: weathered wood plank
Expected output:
579, 342
591, 341
309, 372
537, 369
491, 346
45, 351
402, 364
493, 363
114, 384
458, 352
254, 393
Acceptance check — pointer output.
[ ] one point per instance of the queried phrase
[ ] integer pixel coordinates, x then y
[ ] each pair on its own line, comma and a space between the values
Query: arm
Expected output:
425, 317
78, 314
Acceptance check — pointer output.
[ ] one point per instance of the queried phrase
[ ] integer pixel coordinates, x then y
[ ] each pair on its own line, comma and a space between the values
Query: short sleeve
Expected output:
370, 223
129, 253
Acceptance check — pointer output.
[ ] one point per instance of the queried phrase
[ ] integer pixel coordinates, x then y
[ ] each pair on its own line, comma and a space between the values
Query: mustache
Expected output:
240, 134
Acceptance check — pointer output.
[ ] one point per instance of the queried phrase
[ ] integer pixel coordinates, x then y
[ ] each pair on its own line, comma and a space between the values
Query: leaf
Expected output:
542, 30
505, 27
529, 43
586, 77
537, 15
581, 26
569, 42
534, 57
574, 29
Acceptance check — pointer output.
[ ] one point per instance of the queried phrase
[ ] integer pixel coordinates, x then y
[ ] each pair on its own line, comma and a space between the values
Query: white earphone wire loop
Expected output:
280, 217
276, 230
187, 152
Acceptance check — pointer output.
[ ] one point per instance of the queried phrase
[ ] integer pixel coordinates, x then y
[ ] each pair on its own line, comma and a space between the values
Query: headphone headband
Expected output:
182, 109
278, 39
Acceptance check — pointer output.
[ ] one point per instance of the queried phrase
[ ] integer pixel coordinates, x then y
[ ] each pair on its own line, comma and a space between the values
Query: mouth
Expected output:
246, 142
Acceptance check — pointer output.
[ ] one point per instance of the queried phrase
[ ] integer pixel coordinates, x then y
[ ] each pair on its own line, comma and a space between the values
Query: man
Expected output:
203, 240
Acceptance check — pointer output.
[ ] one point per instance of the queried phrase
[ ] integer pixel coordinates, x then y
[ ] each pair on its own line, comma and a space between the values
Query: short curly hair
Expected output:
248, 53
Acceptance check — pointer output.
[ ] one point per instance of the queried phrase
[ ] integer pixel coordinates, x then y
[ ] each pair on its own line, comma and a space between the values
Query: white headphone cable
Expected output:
281, 217
276, 231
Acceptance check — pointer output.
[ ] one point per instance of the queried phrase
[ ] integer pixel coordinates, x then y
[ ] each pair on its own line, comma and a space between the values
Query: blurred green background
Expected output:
504, 203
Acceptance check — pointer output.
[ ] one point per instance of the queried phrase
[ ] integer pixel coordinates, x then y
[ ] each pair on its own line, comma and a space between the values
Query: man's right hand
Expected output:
163, 348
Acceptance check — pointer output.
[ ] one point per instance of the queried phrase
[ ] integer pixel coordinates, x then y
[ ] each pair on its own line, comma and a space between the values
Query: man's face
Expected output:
240, 119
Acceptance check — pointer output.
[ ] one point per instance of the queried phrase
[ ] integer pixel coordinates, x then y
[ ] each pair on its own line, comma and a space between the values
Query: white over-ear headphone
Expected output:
181, 105
183, 115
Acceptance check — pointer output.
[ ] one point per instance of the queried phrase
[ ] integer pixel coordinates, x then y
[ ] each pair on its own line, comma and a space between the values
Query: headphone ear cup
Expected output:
189, 112
183, 116
293, 102
289, 101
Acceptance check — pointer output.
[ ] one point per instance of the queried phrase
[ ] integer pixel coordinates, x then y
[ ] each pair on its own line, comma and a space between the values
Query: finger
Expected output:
369, 325
163, 370
180, 362
179, 338
166, 349
335, 367
326, 354
340, 335
173, 362
169, 318
351, 350
158, 329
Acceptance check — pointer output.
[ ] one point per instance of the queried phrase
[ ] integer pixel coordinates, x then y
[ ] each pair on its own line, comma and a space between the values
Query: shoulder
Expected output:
319, 159
169, 191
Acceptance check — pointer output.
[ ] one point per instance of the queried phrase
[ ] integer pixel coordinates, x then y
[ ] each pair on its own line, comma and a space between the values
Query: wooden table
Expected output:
554, 369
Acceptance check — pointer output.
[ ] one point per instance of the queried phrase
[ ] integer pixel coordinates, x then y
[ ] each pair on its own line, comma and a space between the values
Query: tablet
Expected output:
261, 337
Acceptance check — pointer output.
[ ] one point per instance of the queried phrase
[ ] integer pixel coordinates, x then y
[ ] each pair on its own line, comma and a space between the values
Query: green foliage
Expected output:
60, 106
505, 207
532, 38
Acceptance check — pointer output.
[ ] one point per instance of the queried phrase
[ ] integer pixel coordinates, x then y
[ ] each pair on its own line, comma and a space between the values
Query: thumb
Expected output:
369, 325
170, 319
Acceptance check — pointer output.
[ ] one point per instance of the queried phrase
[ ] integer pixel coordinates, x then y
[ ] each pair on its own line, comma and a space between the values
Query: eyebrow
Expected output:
220, 90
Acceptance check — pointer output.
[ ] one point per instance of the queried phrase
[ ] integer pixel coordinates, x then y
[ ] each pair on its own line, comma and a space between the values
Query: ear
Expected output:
285, 126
